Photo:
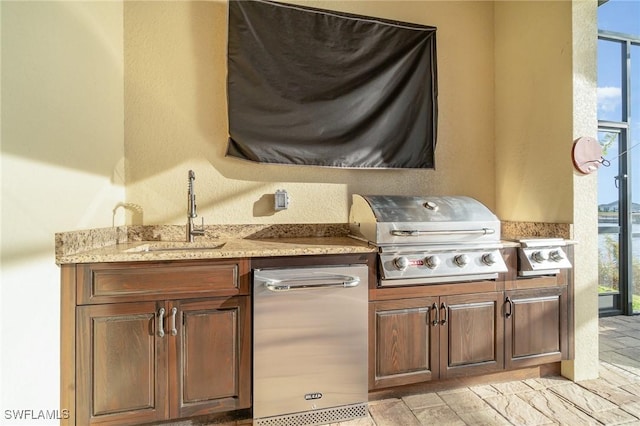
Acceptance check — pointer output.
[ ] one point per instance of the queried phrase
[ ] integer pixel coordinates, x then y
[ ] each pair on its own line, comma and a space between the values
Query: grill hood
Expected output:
416, 220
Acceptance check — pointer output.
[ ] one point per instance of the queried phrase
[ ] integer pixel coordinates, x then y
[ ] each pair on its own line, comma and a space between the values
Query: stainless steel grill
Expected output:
424, 240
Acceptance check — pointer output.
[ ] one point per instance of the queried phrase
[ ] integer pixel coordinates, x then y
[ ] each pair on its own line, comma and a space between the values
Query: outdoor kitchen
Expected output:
414, 291
368, 271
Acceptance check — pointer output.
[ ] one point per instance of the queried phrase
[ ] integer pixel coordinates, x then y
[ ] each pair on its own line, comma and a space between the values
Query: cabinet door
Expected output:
404, 339
122, 356
211, 348
536, 326
471, 334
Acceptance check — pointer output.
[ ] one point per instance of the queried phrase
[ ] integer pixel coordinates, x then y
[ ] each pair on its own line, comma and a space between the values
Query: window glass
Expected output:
608, 215
634, 164
634, 113
610, 80
619, 136
621, 16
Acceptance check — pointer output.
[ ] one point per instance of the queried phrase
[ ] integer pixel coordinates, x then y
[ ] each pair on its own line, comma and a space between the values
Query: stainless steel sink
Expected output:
160, 246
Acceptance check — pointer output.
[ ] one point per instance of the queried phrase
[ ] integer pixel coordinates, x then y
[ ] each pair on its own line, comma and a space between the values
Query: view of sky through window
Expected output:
623, 17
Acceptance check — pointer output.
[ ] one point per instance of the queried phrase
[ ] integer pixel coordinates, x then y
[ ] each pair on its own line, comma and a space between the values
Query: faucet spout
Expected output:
192, 229
191, 196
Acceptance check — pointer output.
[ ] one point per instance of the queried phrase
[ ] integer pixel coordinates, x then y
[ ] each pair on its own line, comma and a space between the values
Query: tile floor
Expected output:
612, 399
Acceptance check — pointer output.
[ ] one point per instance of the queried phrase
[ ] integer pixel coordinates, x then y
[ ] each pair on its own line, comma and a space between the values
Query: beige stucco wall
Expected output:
62, 149
175, 109
545, 77
534, 101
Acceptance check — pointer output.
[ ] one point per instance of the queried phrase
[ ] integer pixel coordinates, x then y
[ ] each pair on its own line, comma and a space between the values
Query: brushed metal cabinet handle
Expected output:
446, 314
173, 329
160, 322
510, 303
437, 311
312, 283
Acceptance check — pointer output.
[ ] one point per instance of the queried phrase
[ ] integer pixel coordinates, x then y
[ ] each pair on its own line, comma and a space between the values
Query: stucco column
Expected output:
585, 194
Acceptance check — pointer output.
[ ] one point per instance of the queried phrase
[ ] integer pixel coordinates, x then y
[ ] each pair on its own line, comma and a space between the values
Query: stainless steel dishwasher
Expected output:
310, 345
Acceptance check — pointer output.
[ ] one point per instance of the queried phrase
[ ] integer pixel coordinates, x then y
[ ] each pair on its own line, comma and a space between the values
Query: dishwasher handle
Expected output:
312, 283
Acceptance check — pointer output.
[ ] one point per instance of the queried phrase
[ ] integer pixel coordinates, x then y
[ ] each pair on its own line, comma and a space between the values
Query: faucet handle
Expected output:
198, 230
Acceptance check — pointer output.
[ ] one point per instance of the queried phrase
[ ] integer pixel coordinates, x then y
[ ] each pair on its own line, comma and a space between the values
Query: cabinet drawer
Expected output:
117, 282
557, 280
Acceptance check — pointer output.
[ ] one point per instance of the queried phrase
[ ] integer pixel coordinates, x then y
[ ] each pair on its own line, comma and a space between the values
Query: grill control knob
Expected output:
431, 205
538, 256
461, 260
401, 263
555, 256
489, 259
432, 262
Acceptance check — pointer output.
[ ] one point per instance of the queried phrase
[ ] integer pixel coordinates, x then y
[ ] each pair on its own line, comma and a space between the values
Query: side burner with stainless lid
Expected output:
425, 240
541, 256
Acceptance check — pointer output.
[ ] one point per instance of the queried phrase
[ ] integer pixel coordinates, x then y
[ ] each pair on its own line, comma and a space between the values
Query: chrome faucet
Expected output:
192, 230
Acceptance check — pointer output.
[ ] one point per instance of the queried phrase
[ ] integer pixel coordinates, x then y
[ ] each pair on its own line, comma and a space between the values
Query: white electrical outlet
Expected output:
281, 200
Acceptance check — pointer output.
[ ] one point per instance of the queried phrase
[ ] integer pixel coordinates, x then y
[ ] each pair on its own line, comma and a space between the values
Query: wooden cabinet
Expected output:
422, 339
536, 326
209, 370
434, 332
119, 353
471, 334
405, 342
159, 341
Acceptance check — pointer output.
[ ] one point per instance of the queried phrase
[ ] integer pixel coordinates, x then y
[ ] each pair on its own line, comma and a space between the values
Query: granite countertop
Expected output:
151, 243
230, 248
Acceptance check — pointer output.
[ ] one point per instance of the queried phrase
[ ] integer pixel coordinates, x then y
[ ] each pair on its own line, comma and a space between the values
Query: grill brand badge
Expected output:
312, 396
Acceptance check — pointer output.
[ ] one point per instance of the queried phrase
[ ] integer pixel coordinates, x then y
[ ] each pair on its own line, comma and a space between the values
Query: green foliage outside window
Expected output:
609, 270
608, 266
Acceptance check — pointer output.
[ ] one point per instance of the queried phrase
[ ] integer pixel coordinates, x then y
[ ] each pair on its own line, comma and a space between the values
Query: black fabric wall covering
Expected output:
316, 87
